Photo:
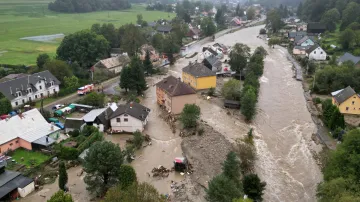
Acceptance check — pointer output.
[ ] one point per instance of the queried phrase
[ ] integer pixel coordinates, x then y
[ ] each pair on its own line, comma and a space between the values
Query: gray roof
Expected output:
91, 116
44, 141
7, 176
152, 24
292, 34
12, 76
298, 38
198, 70
302, 40
175, 87
349, 57
312, 48
344, 95
164, 28
12, 181
302, 47
301, 33
25, 82
213, 61
73, 123
133, 109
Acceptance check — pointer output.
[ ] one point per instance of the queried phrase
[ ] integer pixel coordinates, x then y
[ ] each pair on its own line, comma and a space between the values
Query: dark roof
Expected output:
212, 61
302, 47
344, 95
292, 34
195, 30
298, 38
73, 123
301, 33
210, 50
164, 28
316, 26
151, 24
175, 87
104, 116
349, 57
231, 102
12, 76
198, 70
25, 82
7, 176
18, 182
302, 40
133, 109
312, 48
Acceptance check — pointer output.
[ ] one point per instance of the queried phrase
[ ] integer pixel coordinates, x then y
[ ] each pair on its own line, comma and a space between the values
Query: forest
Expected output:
84, 6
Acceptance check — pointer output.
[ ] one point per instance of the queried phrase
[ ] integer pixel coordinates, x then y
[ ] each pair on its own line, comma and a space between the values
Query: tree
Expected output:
187, 17
250, 13
132, 39
239, 11
5, 105
222, 189
127, 176
330, 18
125, 78
148, 67
157, 41
60, 196
63, 177
82, 6
299, 10
349, 15
231, 90
71, 82
253, 187
248, 104
137, 192
59, 69
208, 27
242, 200
139, 18
347, 39
170, 47
189, 115
94, 99
273, 19
137, 77
273, 41
102, 164
220, 17
42, 59
238, 57
262, 31
85, 47
338, 189
109, 31
138, 139
231, 167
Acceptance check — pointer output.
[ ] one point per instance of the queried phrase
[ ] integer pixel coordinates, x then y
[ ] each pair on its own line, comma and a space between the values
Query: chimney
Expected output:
10, 91
22, 87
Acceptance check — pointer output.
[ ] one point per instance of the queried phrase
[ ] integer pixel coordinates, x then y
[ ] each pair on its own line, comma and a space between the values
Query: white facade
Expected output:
127, 123
23, 98
26, 190
317, 54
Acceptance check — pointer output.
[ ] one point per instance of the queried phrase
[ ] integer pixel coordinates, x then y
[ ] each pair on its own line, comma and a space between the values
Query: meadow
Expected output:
26, 18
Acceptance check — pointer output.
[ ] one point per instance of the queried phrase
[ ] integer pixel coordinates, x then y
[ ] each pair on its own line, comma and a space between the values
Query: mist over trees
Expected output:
84, 6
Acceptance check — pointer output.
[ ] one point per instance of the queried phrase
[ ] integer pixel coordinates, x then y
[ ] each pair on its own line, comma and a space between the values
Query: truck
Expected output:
85, 89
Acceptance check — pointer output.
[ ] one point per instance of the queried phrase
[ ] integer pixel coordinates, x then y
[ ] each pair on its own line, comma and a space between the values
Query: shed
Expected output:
232, 104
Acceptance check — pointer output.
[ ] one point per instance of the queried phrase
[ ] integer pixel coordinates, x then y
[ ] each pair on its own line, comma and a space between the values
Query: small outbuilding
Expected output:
233, 104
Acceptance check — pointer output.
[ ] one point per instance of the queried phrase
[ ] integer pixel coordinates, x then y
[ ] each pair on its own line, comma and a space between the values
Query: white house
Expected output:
31, 87
130, 118
315, 52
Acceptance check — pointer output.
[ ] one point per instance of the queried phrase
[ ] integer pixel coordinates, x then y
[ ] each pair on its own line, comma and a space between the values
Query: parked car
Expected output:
58, 106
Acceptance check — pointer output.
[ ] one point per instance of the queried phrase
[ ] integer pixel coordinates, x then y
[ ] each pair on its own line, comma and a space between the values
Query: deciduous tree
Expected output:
94, 99
248, 104
189, 115
347, 39
127, 176
208, 27
250, 13
231, 90
60, 196
42, 59
102, 166
330, 18
59, 69
238, 57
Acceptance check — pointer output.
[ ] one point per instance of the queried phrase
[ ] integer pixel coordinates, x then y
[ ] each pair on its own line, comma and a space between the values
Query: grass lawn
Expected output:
20, 18
28, 155
46, 101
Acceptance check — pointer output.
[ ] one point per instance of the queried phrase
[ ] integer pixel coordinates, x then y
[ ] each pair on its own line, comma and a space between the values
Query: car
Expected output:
58, 106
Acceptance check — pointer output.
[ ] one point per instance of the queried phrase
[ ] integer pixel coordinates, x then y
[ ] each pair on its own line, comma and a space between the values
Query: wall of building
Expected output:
179, 102
189, 79
27, 189
132, 125
298, 52
317, 54
160, 96
350, 106
206, 82
25, 144
26, 97
11, 145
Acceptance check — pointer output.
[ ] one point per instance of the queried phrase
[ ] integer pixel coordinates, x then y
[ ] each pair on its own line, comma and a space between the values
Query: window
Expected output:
29, 98
23, 101
17, 141
125, 120
18, 94
51, 83
125, 115
118, 120
321, 52
11, 144
54, 90
16, 103
29, 90
353, 102
36, 96
347, 108
41, 94
40, 87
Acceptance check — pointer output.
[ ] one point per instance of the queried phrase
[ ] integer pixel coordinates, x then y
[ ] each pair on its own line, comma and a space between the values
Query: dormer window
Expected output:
18, 93
29, 90
51, 83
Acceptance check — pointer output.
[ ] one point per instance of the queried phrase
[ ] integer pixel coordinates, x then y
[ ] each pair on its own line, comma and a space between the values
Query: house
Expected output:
152, 24
306, 41
154, 55
300, 50
12, 76
347, 100
213, 63
199, 76
114, 64
194, 33
164, 29
29, 88
221, 46
349, 57
316, 27
99, 118
212, 51
315, 52
301, 27
296, 36
129, 118
14, 184
235, 22
72, 124
28, 130
173, 94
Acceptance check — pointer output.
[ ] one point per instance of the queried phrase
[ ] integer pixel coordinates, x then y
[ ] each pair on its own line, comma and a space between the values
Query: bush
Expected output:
96, 136
138, 139
211, 91
190, 115
88, 130
262, 31
317, 100
67, 153
74, 133
201, 131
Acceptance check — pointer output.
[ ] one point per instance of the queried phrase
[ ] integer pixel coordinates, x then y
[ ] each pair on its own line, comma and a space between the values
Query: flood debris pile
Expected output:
169, 119
161, 171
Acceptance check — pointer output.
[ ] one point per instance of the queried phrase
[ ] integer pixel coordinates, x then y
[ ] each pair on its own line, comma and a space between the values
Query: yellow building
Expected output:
198, 76
346, 100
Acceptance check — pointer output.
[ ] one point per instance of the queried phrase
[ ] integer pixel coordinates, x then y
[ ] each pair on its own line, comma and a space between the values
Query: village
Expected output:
173, 119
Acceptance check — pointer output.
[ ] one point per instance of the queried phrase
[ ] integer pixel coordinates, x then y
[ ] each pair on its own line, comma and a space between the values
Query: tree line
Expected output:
84, 6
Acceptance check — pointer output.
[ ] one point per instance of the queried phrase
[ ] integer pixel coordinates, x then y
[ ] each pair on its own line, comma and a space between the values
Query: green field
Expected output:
24, 18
